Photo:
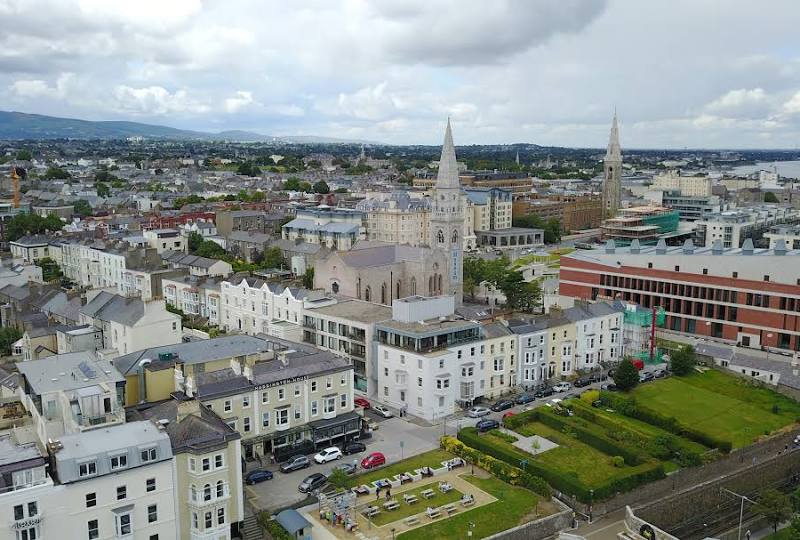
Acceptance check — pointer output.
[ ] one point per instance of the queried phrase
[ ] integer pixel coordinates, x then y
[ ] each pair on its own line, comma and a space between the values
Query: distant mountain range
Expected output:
16, 125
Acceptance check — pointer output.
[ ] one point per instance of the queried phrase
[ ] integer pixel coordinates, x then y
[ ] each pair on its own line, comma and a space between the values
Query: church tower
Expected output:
447, 217
612, 173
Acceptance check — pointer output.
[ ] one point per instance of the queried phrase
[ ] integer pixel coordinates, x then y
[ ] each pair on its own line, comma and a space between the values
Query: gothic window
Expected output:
430, 286
413, 286
335, 287
455, 237
358, 288
383, 293
440, 237
439, 285
397, 287
368, 294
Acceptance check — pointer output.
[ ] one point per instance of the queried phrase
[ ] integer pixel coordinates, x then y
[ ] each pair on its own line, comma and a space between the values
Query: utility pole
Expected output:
741, 508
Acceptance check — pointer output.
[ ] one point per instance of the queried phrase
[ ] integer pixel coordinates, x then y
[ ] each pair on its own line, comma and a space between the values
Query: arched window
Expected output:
383, 293
193, 492
335, 287
358, 288
397, 289
413, 286
207, 492
455, 237
430, 286
220, 489
439, 284
368, 294
440, 237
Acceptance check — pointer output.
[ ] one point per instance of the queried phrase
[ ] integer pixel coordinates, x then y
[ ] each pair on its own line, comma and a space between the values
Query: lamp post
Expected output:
393, 529
741, 509
591, 504
769, 335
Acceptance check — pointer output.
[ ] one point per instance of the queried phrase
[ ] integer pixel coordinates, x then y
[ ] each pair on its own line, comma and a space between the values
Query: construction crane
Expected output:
17, 173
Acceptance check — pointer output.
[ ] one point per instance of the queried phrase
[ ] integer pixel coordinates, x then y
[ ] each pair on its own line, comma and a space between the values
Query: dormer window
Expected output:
148, 454
119, 462
87, 469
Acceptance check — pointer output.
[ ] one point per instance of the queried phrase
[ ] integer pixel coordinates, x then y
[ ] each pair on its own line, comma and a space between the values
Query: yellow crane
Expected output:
17, 173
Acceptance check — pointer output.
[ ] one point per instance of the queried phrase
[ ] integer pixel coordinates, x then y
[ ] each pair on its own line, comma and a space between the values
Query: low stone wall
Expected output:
636, 525
540, 528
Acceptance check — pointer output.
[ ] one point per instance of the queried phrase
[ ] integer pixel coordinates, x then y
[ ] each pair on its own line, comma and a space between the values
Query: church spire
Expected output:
614, 152
448, 166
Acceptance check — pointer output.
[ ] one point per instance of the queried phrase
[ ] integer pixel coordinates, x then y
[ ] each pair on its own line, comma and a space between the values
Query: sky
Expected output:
680, 73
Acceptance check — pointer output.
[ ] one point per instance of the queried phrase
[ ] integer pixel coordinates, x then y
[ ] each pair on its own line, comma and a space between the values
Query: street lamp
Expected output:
741, 509
591, 504
393, 529
769, 335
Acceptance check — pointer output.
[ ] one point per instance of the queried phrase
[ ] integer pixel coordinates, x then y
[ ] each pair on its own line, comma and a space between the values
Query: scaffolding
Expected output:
639, 330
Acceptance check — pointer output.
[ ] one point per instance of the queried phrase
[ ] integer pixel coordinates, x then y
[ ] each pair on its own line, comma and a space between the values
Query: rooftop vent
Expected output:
610, 247
747, 247
780, 247
688, 246
661, 246
716, 247
635, 246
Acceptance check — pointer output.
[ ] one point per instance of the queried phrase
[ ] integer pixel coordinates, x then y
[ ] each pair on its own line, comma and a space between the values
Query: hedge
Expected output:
645, 471
500, 469
275, 529
629, 407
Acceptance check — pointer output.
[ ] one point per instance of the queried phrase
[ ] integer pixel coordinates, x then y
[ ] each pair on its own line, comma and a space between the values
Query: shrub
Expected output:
274, 528
590, 396
626, 376
504, 436
618, 461
683, 360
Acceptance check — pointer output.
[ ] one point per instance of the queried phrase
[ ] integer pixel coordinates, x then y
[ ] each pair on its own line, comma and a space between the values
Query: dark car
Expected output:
646, 376
544, 392
487, 424
598, 376
295, 463
659, 373
502, 405
354, 447
525, 398
583, 381
312, 482
256, 476
609, 387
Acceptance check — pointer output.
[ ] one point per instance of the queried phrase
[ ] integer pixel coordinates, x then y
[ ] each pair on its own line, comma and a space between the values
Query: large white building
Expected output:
336, 228
691, 186
733, 227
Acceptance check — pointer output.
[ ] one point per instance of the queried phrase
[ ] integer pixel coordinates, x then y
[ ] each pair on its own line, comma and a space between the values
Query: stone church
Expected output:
381, 272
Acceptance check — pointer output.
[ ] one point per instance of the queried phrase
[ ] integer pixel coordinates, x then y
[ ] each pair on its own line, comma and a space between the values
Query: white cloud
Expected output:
37, 88
156, 101
738, 98
241, 100
793, 105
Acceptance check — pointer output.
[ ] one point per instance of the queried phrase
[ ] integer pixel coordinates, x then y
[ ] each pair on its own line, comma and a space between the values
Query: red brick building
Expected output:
750, 296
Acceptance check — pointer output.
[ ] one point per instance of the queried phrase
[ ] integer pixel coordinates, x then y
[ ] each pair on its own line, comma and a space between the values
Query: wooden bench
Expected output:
428, 493
468, 502
410, 499
450, 508
412, 520
433, 513
391, 505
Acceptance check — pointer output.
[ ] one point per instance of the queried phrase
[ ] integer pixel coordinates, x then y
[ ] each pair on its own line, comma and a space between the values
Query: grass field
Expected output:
433, 459
590, 466
719, 404
783, 534
405, 510
513, 506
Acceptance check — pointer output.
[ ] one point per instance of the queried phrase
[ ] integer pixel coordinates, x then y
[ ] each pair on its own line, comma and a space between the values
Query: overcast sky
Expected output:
694, 73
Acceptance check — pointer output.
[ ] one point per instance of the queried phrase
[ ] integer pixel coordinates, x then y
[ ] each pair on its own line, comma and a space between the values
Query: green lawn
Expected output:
433, 459
405, 510
719, 404
783, 534
513, 506
590, 466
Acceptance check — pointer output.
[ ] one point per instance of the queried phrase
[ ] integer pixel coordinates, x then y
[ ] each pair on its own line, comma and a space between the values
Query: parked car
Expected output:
544, 392
295, 463
562, 387
382, 411
256, 476
478, 411
375, 459
645, 376
610, 387
312, 482
583, 381
508, 414
361, 402
502, 405
569, 395
554, 402
329, 454
597, 376
487, 424
354, 447
522, 399
660, 373
347, 468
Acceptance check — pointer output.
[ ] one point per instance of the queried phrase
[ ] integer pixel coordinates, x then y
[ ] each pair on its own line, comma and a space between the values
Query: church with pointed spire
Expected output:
447, 215
612, 173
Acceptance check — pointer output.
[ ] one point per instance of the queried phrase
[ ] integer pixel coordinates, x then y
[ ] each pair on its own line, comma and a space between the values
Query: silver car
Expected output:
478, 411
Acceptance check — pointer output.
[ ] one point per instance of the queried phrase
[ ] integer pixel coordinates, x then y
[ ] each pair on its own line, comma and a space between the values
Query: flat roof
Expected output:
103, 440
356, 310
67, 372
428, 327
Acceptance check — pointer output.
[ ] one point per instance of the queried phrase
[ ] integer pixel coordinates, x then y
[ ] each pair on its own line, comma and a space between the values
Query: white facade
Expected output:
598, 339
165, 240
691, 186
193, 298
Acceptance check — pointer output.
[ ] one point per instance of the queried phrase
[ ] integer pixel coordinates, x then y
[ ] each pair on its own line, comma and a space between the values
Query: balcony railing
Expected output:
199, 497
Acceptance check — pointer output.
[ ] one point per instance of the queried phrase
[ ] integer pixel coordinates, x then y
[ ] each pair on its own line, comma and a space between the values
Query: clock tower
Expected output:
447, 216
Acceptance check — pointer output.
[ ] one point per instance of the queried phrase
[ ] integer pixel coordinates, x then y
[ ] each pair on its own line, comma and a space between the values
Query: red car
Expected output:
362, 402
375, 459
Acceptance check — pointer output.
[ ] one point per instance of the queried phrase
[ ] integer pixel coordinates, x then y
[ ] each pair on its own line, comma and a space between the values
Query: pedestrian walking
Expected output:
378, 494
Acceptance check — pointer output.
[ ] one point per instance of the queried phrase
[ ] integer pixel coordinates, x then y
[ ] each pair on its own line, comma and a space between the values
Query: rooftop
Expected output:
356, 310
65, 372
12, 452
109, 439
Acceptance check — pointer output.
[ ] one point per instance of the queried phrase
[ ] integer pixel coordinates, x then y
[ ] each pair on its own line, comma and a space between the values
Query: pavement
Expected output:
603, 529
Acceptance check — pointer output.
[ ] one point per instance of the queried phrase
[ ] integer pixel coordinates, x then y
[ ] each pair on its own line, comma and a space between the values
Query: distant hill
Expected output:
313, 139
15, 125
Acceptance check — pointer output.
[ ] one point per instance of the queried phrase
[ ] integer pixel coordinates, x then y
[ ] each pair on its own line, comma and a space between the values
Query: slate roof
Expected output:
32, 240
114, 308
382, 255
194, 433
183, 259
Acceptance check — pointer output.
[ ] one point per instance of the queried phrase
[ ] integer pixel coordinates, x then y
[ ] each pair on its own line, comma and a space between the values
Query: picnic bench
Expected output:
412, 520
410, 499
391, 505
467, 500
444, 487
428, 493
372, 511
450, 508
361, 490
433, 513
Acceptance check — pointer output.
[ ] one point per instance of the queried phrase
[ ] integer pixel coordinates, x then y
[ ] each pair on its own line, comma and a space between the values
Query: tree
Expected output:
340, 190
292, 184
103, 190
338, 479
8, 335
683, 360
308, 278
273, 258
82, 208
24, 155
321, 187
248, 168
626, 377
56, 173
519, 293
305, 187
195, 240
774, 506
770, 197
23, 224
50, 269
258, 196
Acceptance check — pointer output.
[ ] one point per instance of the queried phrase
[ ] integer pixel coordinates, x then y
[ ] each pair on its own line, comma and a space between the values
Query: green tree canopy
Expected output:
24, 155
248, 168
56, 173
774, 506
102, 189
626, 376
308, 278
24, 224
82, 208
321, 187
50, 269
8, 335
683, 360
770, 197
551, 227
